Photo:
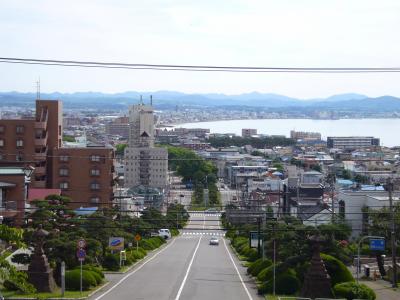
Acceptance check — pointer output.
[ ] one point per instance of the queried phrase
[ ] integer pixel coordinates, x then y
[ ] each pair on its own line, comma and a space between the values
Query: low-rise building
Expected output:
351, 142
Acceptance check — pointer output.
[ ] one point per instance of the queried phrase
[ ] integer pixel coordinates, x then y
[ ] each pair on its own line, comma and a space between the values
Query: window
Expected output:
64, 158
95, 158
63, 172
63, 185
20, 129
1, 143
1, 156
95, 185
2, 128
20, 143
19, 157
95, 172
95, 200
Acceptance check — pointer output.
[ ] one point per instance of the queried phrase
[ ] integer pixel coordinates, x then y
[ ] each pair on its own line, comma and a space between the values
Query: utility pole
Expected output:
392, 233
332, 190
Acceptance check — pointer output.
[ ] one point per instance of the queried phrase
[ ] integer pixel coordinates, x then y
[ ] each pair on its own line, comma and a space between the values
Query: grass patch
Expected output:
57, 294
271, 297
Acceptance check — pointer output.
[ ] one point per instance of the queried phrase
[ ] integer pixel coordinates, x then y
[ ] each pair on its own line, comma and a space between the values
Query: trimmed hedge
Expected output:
111, 262
257, 266
72, 280
151, 243
336, 270
352, 290
286, 284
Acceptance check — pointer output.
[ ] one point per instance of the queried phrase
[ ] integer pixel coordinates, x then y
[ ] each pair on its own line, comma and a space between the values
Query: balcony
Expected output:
40, 156
40, 170
40, 184
41, 141
41, 125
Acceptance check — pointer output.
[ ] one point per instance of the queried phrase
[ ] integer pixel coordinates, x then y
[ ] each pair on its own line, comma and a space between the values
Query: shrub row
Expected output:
241, 245
90, 278
111, 262
352, 290
257, 266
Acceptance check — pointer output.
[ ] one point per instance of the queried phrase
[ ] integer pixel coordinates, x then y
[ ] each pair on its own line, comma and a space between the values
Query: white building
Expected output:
352, 206
144, 164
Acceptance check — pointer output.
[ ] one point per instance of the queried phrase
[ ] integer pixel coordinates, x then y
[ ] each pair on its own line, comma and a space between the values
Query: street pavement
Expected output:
186, 268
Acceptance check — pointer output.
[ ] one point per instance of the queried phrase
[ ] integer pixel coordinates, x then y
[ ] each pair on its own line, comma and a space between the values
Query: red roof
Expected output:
42, 193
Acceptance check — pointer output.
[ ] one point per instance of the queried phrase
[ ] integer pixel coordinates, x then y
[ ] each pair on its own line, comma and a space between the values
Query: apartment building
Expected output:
31, 141
119, 126
145, 164
304, 135
37, 142
352, 142
84, 174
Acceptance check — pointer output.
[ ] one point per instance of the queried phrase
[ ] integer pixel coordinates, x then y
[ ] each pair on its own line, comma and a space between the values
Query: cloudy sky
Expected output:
284, 33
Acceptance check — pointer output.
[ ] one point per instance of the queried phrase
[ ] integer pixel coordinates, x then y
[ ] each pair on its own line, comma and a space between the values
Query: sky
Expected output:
284, 33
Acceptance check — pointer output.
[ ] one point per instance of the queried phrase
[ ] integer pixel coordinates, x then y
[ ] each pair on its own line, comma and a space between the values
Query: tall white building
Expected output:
144, 164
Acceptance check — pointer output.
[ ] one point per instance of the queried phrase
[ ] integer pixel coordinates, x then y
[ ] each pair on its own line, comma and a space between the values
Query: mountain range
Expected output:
170, 99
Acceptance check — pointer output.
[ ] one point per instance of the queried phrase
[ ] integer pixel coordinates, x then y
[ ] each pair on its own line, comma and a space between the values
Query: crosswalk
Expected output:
205, 215
204, 233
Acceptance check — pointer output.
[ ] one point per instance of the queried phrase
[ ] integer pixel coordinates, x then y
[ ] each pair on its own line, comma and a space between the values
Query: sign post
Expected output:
137, 239
376, 243
81, 254
62, 279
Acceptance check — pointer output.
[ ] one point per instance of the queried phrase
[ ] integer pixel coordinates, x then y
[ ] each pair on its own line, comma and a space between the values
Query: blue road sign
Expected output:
81, 254
377, 244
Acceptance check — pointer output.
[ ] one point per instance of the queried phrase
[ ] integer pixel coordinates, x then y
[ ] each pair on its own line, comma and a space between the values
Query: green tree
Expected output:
120, 149
67, 138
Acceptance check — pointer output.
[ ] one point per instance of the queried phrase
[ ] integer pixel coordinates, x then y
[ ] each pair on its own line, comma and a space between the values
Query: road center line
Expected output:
134, 271
237, 271
187, 271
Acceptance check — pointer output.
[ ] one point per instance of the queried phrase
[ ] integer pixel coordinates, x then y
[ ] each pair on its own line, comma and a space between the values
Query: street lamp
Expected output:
28, 170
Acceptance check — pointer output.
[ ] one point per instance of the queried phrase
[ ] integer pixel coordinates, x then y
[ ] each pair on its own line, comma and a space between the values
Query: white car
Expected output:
214, 241
165, 233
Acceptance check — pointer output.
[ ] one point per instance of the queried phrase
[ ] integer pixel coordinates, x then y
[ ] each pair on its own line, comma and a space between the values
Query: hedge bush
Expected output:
286, 283
352, 290
251, 254
257, 266
72, 280
151, 243
267, 273
111, 262
336, 270
93, 269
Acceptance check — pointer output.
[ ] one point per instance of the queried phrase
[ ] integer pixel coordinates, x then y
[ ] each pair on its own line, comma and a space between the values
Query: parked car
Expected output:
214, 241
165, 233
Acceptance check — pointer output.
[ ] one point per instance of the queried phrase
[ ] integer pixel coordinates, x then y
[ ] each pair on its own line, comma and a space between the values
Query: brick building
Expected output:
38, 142
84, 174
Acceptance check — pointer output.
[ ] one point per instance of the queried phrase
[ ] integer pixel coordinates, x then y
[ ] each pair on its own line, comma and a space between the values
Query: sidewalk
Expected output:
383, 289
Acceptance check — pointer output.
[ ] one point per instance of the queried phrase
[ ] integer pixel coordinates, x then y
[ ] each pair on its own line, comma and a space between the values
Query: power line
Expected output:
197, 68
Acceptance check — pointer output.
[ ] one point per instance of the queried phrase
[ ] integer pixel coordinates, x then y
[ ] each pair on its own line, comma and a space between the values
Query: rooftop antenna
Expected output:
38, 89
151, 100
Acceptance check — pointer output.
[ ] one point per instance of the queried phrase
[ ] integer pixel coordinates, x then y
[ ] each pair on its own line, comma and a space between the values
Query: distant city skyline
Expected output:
310, 33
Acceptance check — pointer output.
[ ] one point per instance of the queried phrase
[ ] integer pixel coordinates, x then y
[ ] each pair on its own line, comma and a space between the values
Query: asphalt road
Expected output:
187, 268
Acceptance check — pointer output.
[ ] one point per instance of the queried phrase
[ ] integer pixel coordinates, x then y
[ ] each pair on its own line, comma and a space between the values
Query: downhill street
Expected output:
187, 268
